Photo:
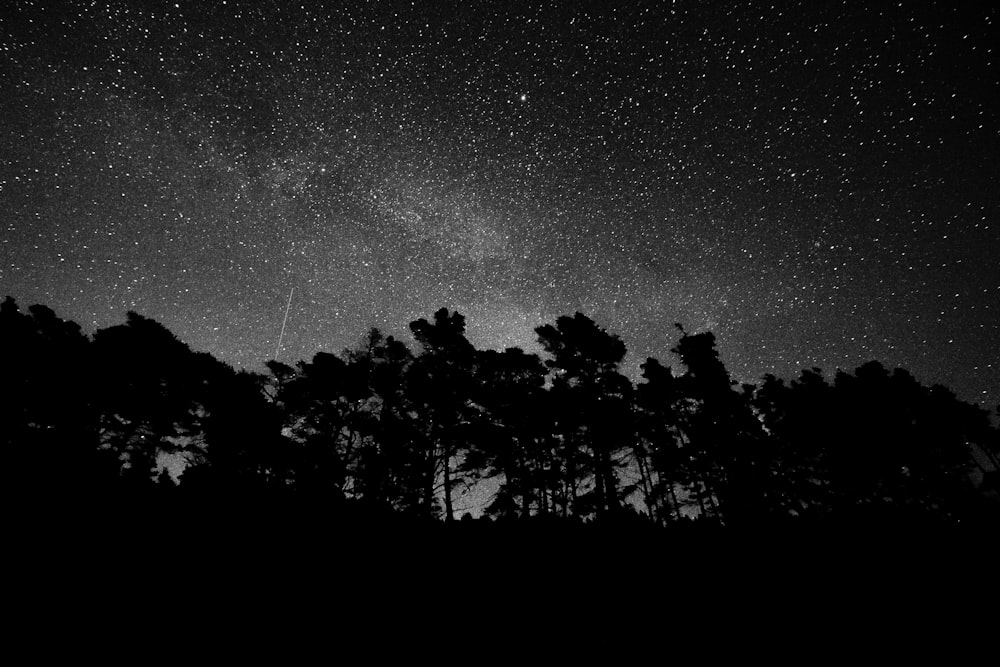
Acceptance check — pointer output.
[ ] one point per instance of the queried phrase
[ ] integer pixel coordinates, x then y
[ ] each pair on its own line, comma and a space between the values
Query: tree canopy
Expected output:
385, 432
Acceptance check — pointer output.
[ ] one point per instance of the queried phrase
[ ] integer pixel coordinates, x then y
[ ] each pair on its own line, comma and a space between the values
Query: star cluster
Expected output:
814, 182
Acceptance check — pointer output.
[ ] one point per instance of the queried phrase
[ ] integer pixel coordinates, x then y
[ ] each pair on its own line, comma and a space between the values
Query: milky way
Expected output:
815, 182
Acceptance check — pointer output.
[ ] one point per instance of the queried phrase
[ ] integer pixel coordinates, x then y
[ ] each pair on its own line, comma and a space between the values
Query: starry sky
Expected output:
815, 182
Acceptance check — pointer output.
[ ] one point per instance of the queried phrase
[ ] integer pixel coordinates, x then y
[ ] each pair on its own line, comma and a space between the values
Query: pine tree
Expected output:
592, 403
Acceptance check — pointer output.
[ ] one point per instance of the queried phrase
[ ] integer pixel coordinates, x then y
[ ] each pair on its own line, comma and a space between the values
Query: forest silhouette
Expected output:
381, 435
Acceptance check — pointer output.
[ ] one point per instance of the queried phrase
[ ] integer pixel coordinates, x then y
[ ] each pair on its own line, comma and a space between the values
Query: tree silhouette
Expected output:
440, 386
799, 419
375, 433
49, 427
723, 437
657, 450
592, 402
511, 388
905, 448
242, 452
386, 470
152, 391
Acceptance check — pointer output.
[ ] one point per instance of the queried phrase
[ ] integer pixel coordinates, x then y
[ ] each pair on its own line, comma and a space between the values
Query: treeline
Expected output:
385, 431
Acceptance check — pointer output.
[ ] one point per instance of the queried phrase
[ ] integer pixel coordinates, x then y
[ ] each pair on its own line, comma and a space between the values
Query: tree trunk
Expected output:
600, 488
610, 484
647, 486
674, 501
699, 494
525, 493
449, 514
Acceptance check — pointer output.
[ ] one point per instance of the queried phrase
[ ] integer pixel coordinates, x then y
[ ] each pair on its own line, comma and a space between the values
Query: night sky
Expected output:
815, 182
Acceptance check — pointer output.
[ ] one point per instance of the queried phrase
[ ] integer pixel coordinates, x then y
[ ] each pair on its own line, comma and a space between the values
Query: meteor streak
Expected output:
283, 323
